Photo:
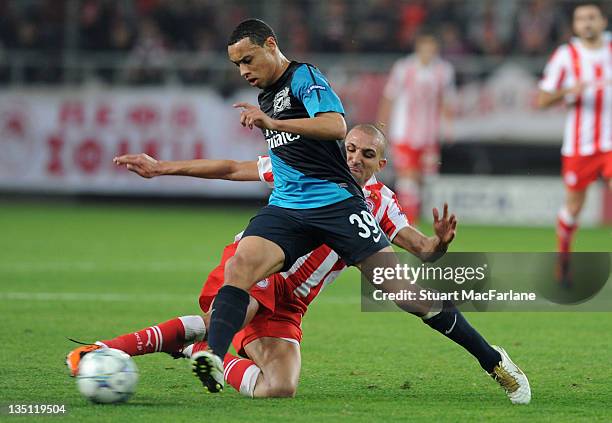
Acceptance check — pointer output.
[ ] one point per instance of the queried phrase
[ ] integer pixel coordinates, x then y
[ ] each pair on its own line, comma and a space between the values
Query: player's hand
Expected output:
253, 116
445, 227
142, 164
577, 89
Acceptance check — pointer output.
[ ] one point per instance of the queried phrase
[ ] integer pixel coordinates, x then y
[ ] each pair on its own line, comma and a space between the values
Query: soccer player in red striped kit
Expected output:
580, 73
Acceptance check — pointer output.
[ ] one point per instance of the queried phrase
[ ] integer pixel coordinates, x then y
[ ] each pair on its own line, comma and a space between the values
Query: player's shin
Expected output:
226, 317
446, 319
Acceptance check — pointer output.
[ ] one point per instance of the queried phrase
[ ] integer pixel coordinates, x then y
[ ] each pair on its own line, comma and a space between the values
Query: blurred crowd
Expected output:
145, 31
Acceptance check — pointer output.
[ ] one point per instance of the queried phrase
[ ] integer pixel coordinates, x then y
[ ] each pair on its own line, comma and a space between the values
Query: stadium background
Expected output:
86, 80
92, 251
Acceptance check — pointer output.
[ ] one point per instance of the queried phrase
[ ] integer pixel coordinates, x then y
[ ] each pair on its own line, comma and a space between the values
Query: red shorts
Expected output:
284, 322
579, 171
275, 319
263, 291
425, 160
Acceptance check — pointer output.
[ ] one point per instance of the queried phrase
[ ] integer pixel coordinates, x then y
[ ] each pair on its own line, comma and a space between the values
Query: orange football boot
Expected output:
74, 357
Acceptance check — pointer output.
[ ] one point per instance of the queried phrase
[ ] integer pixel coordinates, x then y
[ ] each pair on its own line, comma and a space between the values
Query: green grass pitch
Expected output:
93, 272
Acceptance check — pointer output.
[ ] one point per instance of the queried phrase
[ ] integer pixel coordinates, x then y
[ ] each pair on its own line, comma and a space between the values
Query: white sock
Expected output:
249, 379
187, 351
195, 330
566, 217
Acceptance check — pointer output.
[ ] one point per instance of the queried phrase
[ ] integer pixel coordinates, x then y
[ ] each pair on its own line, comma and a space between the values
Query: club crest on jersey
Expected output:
370, 204
263, 284
282, 101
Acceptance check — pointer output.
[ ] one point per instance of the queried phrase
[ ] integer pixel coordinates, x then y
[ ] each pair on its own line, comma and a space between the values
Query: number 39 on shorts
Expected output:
367, 225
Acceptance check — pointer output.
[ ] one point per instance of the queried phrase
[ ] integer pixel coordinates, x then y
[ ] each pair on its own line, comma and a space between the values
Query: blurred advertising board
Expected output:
509, 200
63, 141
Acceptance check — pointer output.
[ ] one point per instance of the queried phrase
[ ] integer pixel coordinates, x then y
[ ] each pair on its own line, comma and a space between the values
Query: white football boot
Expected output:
208, 367
511, 378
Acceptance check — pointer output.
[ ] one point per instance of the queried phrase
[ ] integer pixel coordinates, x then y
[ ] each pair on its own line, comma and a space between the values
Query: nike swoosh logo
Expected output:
376, 238
446, 332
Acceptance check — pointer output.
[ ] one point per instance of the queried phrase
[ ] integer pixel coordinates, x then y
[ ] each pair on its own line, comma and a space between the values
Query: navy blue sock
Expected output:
451, 323
227, 317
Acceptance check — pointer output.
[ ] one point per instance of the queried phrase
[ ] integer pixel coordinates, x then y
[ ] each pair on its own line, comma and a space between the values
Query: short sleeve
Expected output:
312, 89
264, 168
555, 71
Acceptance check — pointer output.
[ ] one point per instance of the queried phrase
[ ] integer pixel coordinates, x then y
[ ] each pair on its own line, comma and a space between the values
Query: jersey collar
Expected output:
371, 181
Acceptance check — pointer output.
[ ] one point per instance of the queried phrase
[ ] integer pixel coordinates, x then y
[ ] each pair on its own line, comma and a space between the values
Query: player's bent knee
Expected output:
279, 389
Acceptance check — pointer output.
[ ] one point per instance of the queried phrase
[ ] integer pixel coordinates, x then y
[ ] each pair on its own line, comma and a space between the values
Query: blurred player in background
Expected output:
270, 341
418, 94
580, 73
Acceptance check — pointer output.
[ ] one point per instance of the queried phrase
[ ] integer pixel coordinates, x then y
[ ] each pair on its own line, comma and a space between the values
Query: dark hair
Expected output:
426, 32
593, 3
256, 30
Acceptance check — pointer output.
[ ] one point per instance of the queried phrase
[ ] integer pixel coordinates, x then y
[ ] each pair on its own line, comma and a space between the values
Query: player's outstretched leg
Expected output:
444, 317
168, 337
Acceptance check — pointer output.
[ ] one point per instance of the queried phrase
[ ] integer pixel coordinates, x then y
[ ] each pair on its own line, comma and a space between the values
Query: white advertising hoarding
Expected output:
64, 141
508, 200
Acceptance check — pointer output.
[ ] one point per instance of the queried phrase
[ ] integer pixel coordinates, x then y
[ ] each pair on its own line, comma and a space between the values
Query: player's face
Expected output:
364, 155
589, 23
426, 49
256, 63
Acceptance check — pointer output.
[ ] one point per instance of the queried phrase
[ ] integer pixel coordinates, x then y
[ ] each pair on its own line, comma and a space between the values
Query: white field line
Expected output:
93, 266
118, 297
86, 296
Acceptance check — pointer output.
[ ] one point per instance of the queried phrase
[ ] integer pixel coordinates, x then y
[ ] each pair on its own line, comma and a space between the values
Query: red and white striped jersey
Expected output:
317, 269
588, 126
417, 93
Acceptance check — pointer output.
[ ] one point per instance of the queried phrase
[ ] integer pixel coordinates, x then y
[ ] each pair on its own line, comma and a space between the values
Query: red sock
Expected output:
199, 346
565, 233
167, 337
241, 373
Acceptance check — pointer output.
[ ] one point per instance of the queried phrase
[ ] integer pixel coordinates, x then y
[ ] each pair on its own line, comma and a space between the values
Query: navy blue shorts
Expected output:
347, 227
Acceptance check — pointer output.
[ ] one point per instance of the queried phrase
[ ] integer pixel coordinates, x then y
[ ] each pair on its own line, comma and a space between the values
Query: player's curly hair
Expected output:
255, 29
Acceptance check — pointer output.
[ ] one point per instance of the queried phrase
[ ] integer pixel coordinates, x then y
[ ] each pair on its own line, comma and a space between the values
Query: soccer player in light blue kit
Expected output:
315, 201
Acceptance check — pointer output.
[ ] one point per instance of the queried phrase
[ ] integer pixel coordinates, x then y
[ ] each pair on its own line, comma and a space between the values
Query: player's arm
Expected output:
326, 113
148, 167
384, 111
394, 82
554, 86
323, 126
549, 98
429, 249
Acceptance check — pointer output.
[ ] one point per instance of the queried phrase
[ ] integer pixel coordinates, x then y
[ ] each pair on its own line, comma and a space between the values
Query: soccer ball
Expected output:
107, 376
